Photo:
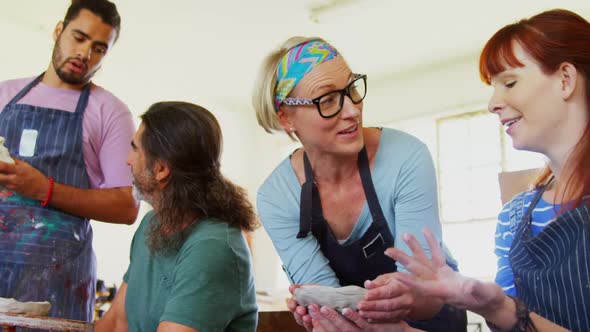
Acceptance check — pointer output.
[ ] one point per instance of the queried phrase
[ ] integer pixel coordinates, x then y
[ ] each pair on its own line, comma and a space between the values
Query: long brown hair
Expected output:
551, 38
188, 139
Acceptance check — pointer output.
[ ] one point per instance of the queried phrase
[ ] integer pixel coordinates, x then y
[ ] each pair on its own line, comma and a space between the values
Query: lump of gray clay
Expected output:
13, 306
4, 154
336, 298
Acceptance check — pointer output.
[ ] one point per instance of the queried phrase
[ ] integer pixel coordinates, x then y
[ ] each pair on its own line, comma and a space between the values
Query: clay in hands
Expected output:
4, 154
337, 298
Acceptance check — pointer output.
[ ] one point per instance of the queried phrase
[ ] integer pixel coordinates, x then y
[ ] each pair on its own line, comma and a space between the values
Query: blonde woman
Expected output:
333, 206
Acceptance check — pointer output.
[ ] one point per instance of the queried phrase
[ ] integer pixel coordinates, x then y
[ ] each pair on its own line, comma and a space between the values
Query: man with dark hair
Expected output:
68, 138
190, 266
107, 11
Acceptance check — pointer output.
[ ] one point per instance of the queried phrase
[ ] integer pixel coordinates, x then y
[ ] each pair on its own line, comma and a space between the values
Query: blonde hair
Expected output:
264, 88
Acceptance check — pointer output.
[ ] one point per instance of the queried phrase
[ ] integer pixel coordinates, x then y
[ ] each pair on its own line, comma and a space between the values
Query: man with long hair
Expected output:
190, 266
68, 138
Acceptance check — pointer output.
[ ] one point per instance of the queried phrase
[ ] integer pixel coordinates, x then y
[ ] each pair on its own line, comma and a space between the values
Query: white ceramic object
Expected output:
13, 306
336, 298
4, 154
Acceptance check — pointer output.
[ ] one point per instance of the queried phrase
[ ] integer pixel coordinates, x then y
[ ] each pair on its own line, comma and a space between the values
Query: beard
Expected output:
137, 195
59, 61
144, 186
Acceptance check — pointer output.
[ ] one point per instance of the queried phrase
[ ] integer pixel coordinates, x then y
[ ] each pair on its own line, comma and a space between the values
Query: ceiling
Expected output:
218, 45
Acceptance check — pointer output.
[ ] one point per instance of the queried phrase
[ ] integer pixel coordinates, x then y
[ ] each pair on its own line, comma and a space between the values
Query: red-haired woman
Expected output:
539, 69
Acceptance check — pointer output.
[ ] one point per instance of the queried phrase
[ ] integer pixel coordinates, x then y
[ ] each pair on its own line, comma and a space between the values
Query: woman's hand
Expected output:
433, 278
325, 319
299, 312
388, 299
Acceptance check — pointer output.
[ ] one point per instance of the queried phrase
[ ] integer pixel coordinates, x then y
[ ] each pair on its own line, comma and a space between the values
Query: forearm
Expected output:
425, 308
543, 324
310, 266
115, 319
110, 324
174, 327
302, 259
114, 205
504, 317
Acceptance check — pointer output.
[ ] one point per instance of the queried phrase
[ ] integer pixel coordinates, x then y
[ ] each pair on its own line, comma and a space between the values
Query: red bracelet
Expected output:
49, 192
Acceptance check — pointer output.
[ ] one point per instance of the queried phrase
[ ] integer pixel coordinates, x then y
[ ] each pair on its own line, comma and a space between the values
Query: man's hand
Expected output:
114, 205
24, 179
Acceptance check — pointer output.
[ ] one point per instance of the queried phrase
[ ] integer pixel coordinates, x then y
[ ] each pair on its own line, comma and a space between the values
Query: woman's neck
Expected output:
559, 153
330, 168
561, 188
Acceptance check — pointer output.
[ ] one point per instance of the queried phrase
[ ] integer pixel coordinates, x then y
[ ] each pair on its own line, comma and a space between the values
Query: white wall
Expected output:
244, 159
197, 52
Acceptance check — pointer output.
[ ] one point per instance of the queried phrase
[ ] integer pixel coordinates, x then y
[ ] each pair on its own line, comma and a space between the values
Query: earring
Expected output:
292, 130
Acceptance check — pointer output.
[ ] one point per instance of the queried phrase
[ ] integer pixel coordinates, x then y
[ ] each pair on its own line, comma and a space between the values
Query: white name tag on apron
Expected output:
28, 140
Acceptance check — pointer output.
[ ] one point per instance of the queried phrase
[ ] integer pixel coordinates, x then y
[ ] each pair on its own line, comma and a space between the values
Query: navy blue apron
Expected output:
46, 254
365, 258
552, 269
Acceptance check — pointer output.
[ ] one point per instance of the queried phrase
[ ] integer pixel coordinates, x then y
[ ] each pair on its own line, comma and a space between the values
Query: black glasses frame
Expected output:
343, 92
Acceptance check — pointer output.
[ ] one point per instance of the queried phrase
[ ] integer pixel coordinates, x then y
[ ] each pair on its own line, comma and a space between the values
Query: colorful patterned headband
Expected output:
299, 61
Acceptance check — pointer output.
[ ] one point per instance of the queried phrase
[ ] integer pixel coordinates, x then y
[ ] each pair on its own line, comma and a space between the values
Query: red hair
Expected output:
551, 38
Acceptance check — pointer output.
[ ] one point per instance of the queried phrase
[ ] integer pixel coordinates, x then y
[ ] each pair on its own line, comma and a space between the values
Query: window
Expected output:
472, 149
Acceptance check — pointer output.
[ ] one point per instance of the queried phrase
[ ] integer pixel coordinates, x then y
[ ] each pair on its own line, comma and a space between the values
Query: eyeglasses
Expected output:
330, 104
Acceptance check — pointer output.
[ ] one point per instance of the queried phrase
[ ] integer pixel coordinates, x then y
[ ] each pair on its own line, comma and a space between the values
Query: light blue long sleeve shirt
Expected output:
405, 181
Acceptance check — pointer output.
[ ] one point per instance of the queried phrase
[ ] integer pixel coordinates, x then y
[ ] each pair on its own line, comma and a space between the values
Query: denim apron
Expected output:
46, 254
552, 269
365, 258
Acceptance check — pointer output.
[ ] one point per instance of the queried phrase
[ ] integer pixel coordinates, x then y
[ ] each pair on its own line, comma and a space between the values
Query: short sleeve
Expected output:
503, 242
119, 130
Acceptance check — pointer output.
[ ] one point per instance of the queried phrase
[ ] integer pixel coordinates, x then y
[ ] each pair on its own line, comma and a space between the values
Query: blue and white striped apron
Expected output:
46, 254
552, 269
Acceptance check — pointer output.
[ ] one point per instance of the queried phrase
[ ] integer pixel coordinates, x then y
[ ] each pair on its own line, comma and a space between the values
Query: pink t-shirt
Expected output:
107, 127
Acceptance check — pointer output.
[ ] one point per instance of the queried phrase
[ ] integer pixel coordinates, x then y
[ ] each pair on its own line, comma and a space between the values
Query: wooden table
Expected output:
9, 323
268, 321
273, 321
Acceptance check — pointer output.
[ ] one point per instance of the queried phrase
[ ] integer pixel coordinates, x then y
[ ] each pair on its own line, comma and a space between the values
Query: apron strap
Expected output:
305, 210
25, 90
527, 216
306, 201
80, 106
367, 181
83, 100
